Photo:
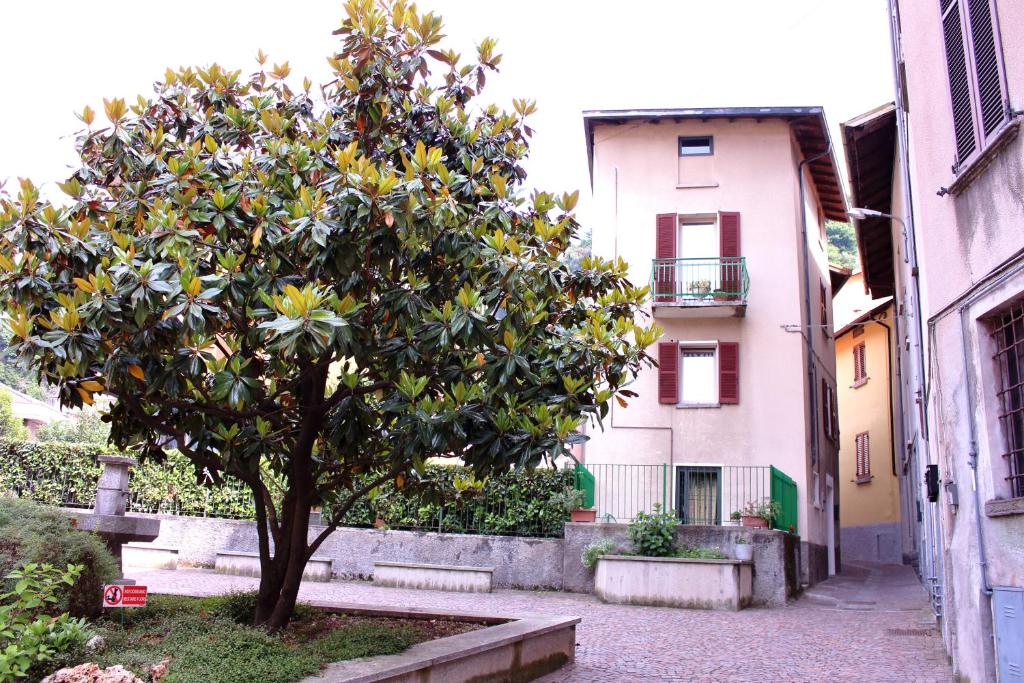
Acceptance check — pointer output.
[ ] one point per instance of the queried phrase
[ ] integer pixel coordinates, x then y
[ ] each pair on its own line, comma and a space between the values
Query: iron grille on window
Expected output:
1008, 335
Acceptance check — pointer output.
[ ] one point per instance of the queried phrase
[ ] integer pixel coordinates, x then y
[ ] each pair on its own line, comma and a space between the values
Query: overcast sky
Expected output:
569, 55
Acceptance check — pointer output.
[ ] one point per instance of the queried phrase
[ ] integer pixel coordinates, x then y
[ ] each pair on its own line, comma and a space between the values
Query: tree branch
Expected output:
337, 514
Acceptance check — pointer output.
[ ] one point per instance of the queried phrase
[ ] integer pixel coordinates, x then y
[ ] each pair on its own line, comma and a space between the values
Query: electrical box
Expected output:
1008, 620
931, 482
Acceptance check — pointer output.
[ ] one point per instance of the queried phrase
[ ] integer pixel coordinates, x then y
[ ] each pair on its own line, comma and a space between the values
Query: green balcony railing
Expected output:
700, 281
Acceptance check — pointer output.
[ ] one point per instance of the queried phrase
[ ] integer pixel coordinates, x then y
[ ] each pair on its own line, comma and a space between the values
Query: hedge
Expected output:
520, 502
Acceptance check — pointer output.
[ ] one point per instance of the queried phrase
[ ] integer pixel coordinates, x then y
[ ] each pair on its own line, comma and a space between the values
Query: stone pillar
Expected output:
112, 489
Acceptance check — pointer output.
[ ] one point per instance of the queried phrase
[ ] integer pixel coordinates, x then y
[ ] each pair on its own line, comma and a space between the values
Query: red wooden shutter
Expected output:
860, 371
728, 372
959, 79
729, 251
863, 455
668, 372
665, 227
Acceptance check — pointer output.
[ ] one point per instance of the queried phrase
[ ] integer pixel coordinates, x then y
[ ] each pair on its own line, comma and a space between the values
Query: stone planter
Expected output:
674, 582
754, 522
581, 515
743, 551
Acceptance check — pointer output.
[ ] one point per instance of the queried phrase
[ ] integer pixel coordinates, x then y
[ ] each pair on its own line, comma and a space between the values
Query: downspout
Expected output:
972, 456
811, 383
892, 417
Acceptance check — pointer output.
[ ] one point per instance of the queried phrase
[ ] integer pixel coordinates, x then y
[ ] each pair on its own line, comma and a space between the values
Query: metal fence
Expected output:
700, 281
697, 494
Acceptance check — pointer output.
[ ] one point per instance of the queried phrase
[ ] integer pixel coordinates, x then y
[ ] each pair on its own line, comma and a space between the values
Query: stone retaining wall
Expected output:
519, 562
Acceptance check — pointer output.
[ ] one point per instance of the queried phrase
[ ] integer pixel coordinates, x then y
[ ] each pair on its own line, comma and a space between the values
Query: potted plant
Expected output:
734, 519
759, 514
701, 287
571, 500
743, 549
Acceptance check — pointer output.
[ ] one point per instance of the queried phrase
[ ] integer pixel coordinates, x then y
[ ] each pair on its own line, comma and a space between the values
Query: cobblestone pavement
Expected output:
841, 630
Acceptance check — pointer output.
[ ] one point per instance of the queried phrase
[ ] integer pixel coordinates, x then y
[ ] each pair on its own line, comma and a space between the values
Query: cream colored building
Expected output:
871, 517
712, 206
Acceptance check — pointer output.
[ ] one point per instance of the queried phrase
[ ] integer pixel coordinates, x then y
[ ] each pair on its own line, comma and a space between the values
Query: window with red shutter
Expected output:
863, 454
860, 370
824, 309
728, 372
665, 226
668, 372
729, 251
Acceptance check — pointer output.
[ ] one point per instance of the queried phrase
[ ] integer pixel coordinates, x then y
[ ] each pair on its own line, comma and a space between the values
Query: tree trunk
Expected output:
281, 575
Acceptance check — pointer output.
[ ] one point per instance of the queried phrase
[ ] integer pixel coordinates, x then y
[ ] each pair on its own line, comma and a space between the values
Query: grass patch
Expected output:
207, 640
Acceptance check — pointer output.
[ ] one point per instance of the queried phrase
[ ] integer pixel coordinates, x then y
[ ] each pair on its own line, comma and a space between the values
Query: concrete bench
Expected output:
145, 556
437, 577
239, 563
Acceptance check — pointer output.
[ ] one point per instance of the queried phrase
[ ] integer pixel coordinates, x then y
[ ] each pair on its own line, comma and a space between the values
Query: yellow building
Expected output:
870, 515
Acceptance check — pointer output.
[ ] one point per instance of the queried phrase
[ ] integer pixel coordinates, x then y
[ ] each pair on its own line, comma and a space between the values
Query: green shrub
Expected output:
363, 640
89, 428
30, 637
518, 502
700, 553
595, 550
654, 534
10, 426
33, 533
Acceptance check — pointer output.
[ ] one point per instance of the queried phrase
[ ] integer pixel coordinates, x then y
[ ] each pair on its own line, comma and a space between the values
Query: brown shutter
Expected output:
668, 372
863, 446
825, 410
728, 372
665, 227
959, 80
987, 71
729, 251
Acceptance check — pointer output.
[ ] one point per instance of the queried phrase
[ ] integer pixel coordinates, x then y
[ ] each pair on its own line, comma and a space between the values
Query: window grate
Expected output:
1008, 335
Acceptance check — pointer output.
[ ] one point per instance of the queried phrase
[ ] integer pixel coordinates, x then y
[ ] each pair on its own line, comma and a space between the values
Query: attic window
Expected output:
700, 146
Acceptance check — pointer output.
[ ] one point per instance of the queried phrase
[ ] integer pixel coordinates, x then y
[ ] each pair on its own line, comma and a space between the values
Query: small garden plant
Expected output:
766, 509
653, 534
595, 550
30, 635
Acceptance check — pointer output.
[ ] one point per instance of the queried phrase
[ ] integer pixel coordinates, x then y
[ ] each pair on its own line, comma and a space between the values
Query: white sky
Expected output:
569, 55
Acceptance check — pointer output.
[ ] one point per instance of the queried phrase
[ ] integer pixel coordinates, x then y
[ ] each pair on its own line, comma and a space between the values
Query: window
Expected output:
860, 365
977, 78
829, 412
824, 308
863, 448
699, 495
698, 377
1008, 335
701, 146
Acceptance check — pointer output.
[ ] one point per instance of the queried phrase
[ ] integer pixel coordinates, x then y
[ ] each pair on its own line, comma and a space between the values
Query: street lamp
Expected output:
861, 214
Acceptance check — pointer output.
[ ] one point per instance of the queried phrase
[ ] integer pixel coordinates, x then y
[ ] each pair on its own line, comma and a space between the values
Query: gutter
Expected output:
811, 381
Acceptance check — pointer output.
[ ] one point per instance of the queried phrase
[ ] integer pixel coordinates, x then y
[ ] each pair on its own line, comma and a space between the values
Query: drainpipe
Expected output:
972, 456
811, 383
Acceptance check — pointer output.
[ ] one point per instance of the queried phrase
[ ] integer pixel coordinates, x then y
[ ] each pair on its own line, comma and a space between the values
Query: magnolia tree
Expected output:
315, 292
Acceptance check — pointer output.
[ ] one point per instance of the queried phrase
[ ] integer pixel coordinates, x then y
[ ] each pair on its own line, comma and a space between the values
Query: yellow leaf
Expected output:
621, 401
88, 115
480, 358
90, 385
400, 481
257, 235
84, 285
86, 396
210, 143
136, 372
510, 340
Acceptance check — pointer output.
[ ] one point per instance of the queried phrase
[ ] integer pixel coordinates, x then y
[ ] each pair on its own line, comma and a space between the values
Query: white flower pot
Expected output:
743, 551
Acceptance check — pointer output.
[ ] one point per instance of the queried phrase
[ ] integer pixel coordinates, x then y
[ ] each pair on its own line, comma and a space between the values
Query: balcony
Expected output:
699, 287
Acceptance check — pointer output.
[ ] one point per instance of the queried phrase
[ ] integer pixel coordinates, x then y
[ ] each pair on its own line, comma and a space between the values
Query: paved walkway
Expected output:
870, 624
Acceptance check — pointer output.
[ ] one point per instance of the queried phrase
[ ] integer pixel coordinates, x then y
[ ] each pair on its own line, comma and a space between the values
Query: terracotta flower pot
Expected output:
755, 522
378, 523
580, 515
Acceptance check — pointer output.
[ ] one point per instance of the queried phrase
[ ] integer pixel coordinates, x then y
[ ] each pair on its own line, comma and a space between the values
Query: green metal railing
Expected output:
783, 492
700, 281
698, 494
